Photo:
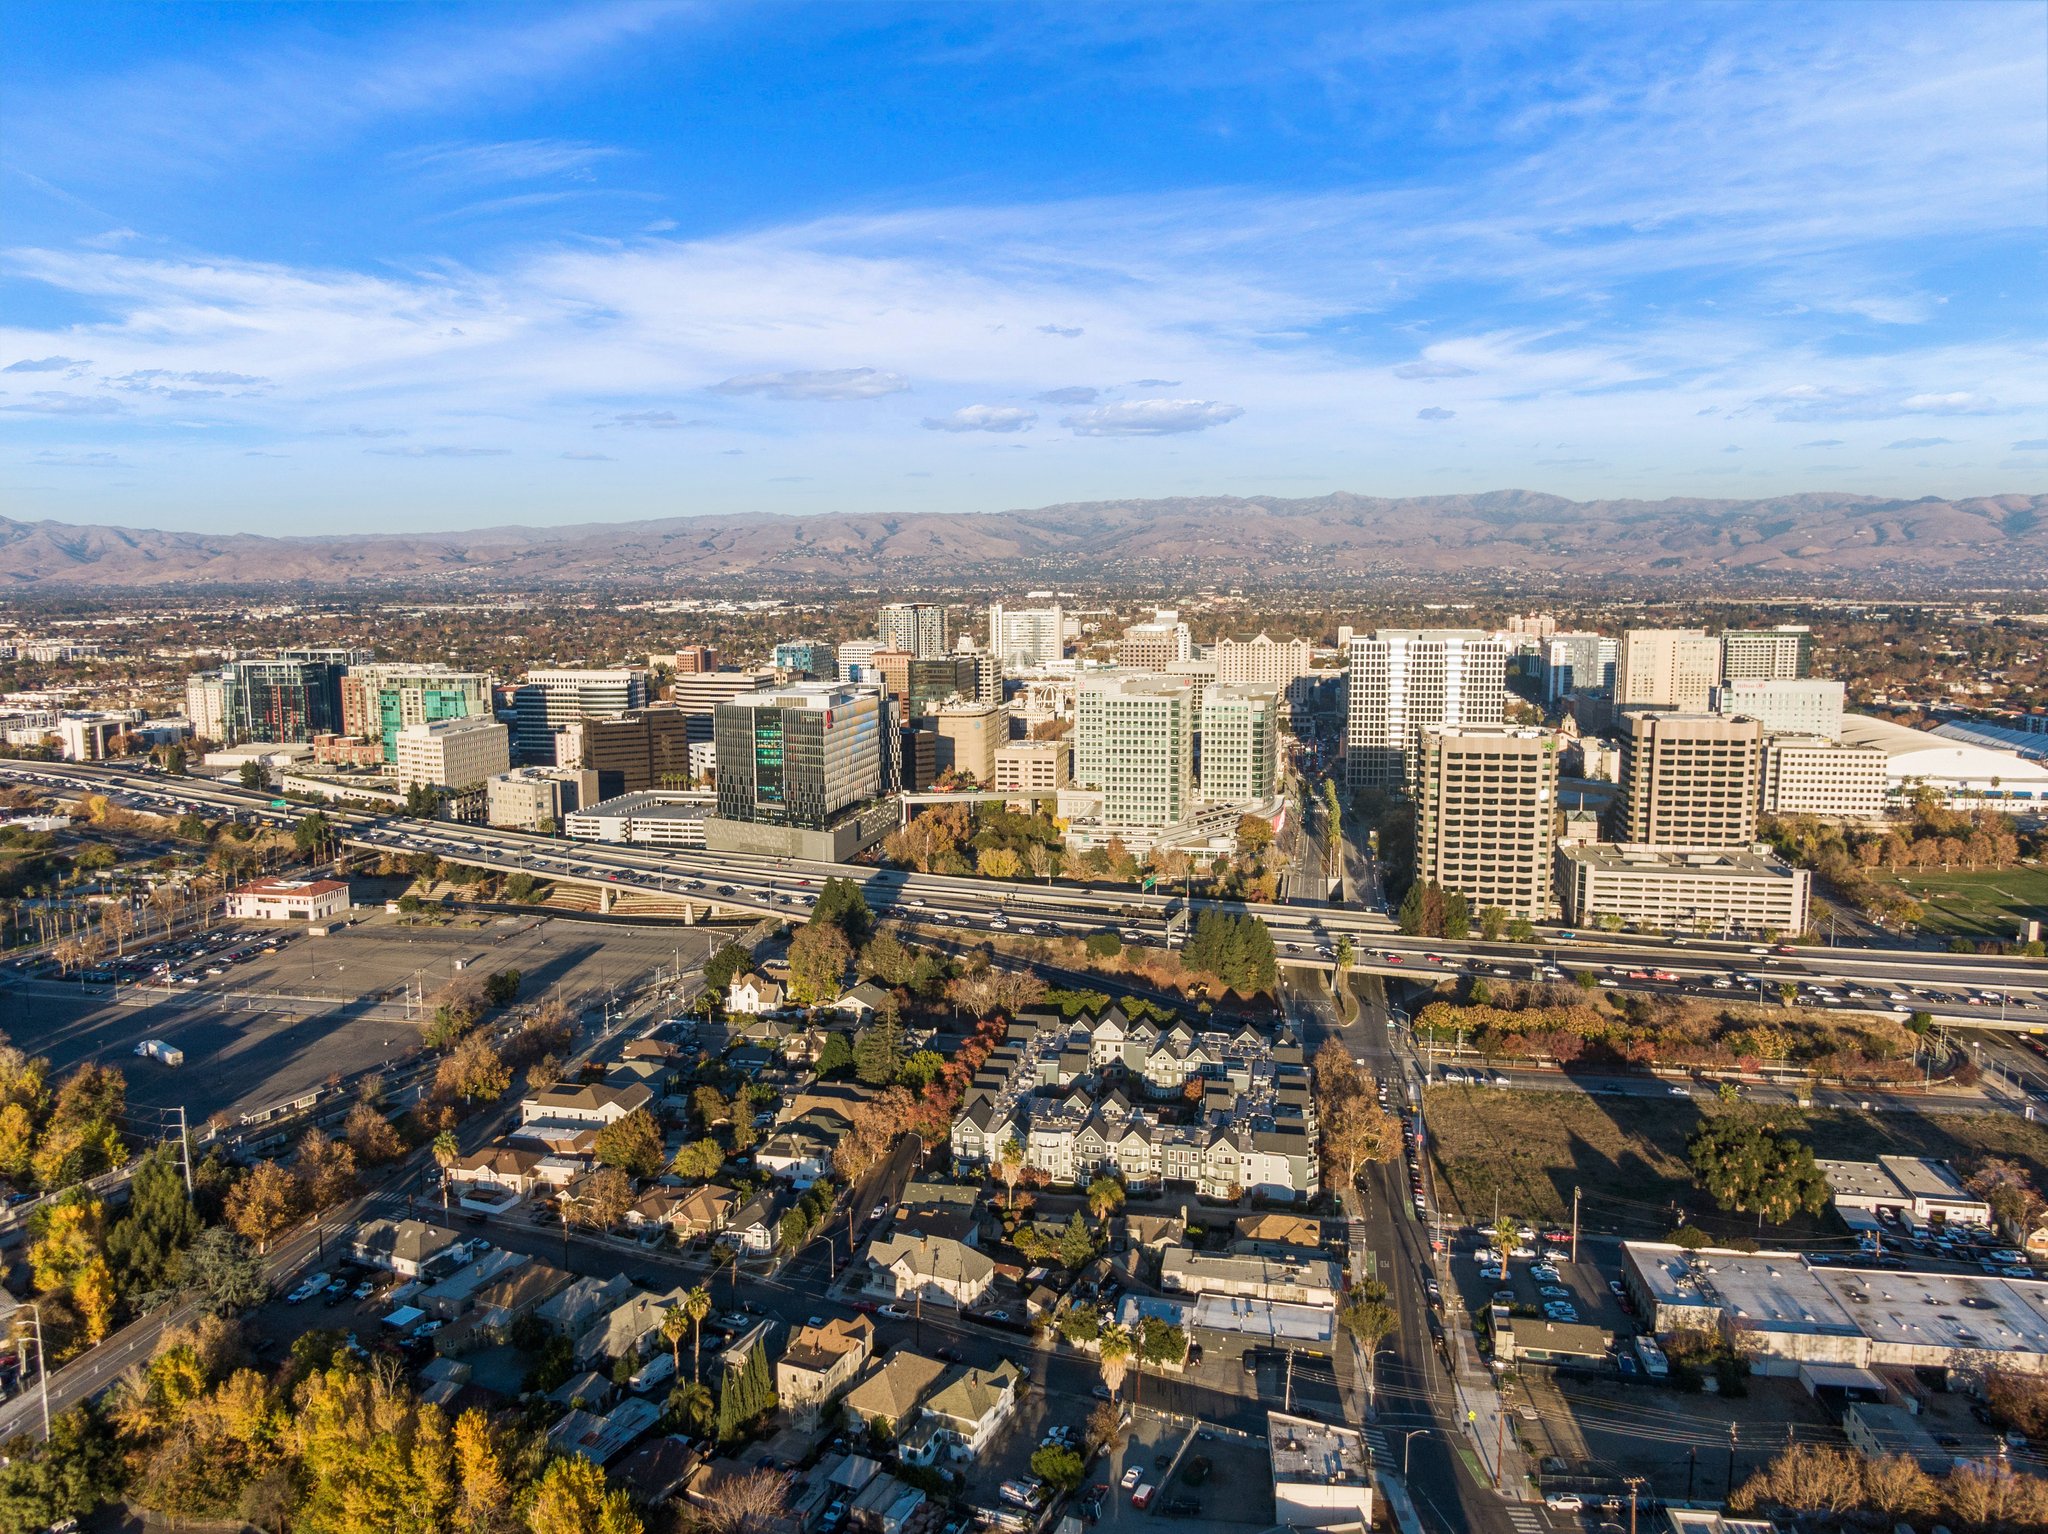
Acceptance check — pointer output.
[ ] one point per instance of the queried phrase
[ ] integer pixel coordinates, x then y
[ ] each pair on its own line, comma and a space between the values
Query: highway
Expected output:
1990, 993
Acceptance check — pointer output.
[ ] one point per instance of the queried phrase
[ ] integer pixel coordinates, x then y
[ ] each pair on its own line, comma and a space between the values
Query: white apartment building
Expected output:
856, 656
452, 753
1034, 766
1240, 743
1134, 741
1786, 706
1667, 668
1027, 638
1484, 800
1262, 662
1813, 775
1783, 653
919, 627
537, 798
1578, 663
209, 702
1405, 681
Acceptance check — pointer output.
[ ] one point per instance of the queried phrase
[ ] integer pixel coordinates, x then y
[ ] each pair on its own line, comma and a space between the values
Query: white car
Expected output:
1565, 1502
894, 1312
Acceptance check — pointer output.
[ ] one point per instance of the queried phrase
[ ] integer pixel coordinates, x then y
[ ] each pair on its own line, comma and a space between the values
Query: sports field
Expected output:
1980, 905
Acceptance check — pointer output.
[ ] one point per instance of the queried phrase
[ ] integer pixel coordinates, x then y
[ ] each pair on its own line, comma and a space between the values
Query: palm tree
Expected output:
1105, 1195
693, 1403
696, 1305
446, 1149
1113, 1350
1010, 1162
674, 1325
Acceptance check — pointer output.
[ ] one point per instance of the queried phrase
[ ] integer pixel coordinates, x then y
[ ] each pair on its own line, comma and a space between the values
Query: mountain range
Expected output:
1998, 541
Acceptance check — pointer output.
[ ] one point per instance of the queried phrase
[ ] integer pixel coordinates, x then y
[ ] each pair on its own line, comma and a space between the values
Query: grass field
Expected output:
1980, 905
1628, 1154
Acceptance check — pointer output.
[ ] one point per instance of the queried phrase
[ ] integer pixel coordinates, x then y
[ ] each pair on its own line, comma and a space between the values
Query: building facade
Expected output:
1811, 775
537, 798
1579, 664
1027, 638
1155, 644
1240, 743
1784, 653
1134, 740
798, 756
919, 627
1682, 890
1485, 801
968, 737
452, 753
801, 658
1666, 668
549, 701
1405, 681
1800, 706
1689, 780
1034, 766
377, 701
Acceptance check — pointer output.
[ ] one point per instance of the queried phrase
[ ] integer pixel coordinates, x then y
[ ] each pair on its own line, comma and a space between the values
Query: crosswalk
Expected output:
1525, 1518
1376, 1441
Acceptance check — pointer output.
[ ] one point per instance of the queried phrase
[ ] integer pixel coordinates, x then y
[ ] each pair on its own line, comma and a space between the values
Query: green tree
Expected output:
632, 1144
502, 989
878, 1054
1493, 921
921, 1069
255, 775
1104, 945
1748, 1166
145, 1243
572, 1497
1521, 930
222, 1272
818, 957
746, 1393
699, 1159
1367, 1314
313, 835
1057, 1466
1105, 1197
1457, 924
835, 1054
1076, 1243
841, 904
724, 967
75, 1473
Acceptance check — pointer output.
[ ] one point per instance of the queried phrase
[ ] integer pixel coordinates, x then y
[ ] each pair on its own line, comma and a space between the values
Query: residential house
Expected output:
602, 1439
800, 1155
757, 1227
624, 1330
406, 1247
1308, 1281
752, 994
703, 1210
821, 1361
891, 1392
509, 1168
517, 1294
1154, 1232
582, 1302
941, 1271
886, 1505
585, 1105
970, 1409
455, 1295
862, 1002
655, 1471
1275, 1229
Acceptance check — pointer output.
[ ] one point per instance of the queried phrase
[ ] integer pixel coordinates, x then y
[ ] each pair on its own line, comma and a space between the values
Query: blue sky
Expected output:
390, 267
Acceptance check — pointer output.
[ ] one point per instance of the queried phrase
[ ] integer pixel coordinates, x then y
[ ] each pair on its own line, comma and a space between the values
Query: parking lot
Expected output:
1200, 1477
268, 1025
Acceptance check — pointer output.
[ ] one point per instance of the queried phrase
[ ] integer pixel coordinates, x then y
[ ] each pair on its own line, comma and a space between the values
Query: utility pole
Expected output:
1634, 1485
42, 1364
185, 1148
1500, 1433
1575, 1222
1731, 1459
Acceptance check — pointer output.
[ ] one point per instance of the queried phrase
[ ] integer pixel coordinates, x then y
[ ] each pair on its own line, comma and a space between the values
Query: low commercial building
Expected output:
656, 817
1291, 1280
537, 798
1781, 1313
1714, 889
1920, 1191
309, 900
1961, 774
1878, 1431
405, 1247
1559, 1344
1322, 1474
1785, 705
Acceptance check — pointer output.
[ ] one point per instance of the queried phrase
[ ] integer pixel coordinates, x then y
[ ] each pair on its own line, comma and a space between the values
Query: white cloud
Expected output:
512, 160
52, 402
1150, 418
654, 420
820, 384
1072, 394
1958, 403
983, 418
1068, 331
439, 452
1916, 442
1434, 413
1438, 369
2031, 445
44, 365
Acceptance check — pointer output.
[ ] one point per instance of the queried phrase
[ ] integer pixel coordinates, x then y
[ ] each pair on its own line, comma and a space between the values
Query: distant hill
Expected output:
1993, 540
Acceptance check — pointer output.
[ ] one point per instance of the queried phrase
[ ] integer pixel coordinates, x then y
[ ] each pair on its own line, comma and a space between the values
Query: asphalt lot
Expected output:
276, 1025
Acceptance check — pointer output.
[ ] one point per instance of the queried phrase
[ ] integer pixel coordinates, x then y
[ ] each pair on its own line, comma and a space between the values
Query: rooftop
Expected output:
1315, 1452
1721, 862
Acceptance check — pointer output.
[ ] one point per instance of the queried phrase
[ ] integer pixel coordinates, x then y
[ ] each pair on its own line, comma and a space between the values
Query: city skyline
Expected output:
348, 269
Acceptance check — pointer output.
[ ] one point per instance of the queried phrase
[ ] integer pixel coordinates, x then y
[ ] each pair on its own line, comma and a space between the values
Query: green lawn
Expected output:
1980, 905
1628, 1154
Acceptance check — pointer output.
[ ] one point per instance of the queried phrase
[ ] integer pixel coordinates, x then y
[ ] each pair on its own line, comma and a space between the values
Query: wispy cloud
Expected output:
654, 420
44, 365
439, 452
512, 160
1072, 394
2031, 445
821, 384
82, 461
1002, 418
51, 402
1068, 331
1434, 413
1915, 442
589, 457
1150, 418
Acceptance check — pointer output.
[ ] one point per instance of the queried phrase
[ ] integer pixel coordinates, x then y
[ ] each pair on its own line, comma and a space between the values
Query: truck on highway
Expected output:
162, 1053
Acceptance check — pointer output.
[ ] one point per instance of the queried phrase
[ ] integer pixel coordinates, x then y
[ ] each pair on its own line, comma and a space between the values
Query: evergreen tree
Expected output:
878, 1054
144, 1244
842, 905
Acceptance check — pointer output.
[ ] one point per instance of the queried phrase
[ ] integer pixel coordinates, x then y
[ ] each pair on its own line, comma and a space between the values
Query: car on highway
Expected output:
1674, 1090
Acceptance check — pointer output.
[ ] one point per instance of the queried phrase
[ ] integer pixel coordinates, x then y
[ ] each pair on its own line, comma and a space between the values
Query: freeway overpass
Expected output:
1963, 988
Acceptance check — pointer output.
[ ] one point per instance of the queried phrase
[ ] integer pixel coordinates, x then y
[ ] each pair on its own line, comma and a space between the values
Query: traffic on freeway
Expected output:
1986, 992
